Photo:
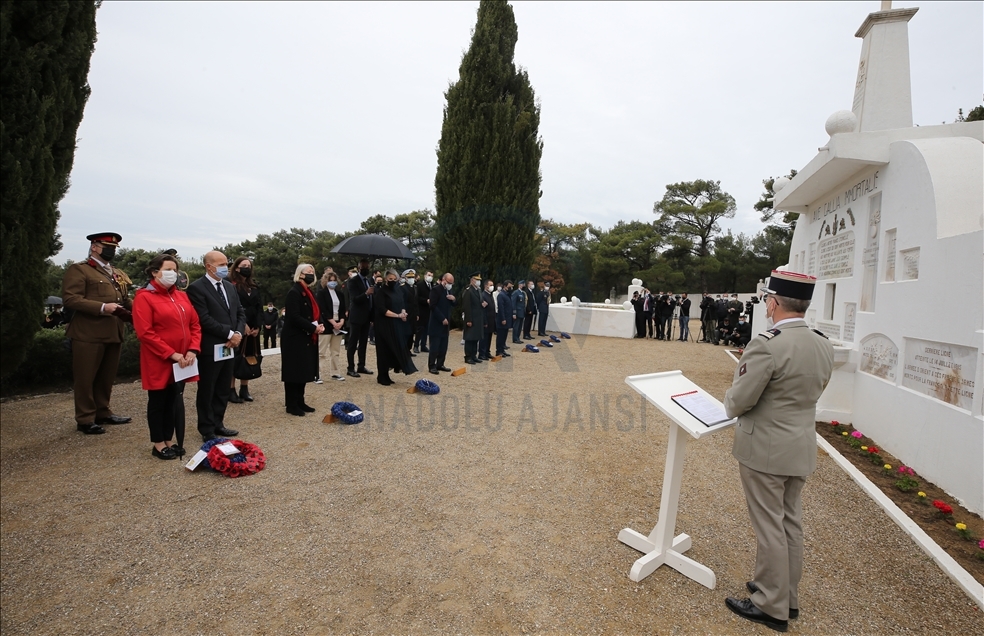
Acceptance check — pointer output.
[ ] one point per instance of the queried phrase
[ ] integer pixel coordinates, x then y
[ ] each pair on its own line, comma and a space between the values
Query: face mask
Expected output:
489, 289
411, 280
245, 272
271, 308
391, 284
429, 279
108, 253
529, 287
333, 284
364, 271
476, 284
169, 277
546, 286
447, 286
353, 274
403, 281
308, 278
222, 271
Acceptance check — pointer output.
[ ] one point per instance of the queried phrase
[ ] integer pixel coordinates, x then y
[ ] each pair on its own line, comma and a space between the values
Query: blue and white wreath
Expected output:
427, 387
546, 343
346, 412
532, 349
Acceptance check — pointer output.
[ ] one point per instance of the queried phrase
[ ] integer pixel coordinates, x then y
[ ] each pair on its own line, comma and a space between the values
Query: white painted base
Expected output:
673, 557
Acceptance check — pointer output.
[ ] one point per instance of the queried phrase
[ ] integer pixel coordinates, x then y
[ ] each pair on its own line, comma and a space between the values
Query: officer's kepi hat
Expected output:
477, 275
791, 285
106, 238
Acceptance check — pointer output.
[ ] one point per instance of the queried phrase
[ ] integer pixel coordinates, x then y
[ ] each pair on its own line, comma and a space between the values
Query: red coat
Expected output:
166, 323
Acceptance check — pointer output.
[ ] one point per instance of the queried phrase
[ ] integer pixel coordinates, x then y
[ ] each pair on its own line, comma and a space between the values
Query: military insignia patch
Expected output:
742, 370
770, 334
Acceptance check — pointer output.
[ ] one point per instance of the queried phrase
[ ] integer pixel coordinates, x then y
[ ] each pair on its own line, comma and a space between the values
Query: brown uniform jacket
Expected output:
85, 288
774, 396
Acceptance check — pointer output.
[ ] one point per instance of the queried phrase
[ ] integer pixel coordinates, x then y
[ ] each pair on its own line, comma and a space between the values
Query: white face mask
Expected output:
429, 278
169, 277
769, 322
447, 286
352, 274
489, 288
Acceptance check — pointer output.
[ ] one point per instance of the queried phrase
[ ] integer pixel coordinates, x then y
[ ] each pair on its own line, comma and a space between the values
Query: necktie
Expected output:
218, 287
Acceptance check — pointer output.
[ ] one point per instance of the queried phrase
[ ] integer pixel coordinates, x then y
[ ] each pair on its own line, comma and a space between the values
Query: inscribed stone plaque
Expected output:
829, 329
941, 370
879, 356
836, 256
811, 318
890, 239
811, 267
910, 263
850, 315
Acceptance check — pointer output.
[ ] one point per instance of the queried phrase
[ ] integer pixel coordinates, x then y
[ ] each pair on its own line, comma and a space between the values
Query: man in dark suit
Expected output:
774, 395
441, 304
97, 293
504, 316
223, 321
542, 308
638, 304
423, 289
529, 314
360, 307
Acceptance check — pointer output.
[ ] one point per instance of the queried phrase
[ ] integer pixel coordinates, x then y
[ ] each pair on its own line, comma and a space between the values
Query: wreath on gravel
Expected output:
554, 338
546, 343
248, 461
532, 349
565, 335
427, 387
341, 411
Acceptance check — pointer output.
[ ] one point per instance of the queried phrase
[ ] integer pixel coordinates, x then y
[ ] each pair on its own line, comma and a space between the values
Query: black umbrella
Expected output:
53, 300
371, 245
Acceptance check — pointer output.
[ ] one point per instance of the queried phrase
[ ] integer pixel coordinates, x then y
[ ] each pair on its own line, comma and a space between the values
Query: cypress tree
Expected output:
488, 160
45, 48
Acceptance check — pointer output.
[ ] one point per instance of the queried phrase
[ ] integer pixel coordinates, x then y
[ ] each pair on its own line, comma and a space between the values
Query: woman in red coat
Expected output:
167, 327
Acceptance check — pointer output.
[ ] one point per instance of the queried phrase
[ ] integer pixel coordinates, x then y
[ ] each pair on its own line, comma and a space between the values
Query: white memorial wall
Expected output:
892, 225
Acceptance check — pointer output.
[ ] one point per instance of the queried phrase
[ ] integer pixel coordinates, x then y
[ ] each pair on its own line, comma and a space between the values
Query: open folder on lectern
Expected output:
700, 406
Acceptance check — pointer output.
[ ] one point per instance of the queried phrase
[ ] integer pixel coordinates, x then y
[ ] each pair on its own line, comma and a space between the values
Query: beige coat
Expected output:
776, 387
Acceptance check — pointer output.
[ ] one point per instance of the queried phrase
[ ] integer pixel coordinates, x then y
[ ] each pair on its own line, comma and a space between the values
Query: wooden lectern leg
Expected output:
658, 547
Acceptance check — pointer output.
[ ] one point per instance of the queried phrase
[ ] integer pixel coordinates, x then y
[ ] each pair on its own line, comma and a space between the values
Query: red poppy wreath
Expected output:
254, 460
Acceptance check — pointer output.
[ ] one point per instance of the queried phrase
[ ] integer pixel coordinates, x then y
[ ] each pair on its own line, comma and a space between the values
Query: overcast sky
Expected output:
210, 123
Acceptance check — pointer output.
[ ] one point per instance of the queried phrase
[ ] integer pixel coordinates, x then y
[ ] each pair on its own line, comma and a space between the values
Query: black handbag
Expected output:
249, 361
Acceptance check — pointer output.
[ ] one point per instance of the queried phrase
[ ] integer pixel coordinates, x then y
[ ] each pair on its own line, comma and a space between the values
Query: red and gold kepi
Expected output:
106, 238
791, 285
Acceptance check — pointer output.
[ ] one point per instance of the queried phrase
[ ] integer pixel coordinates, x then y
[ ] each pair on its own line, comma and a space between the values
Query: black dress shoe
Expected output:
296, 411
177, 450
352, 374
384, 381
235, 399
505, 355
434, 370
413, 355
226, 432
794, 613
424, 350
244, 394
166, 453
308, 409
365, 371
91, 429
208, 438
747, 610
445, 369
114, 419
470, 361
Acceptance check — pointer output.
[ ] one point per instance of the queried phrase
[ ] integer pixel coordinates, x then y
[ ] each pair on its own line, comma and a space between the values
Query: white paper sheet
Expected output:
698, 405
223, 352
188, 372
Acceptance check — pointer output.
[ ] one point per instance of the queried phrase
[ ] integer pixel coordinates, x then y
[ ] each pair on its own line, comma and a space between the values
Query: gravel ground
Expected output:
492, 507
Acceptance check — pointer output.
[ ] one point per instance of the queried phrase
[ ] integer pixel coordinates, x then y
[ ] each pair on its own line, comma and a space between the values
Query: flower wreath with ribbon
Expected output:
248, 461
341, 411
532, 349
546, 343
565, 335
427, 387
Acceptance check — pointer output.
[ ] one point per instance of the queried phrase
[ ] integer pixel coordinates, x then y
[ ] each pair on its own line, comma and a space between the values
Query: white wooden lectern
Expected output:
661, 547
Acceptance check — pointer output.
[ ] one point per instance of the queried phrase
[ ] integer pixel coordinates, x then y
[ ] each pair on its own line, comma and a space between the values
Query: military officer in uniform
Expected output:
474, 308
774, 395
98, 294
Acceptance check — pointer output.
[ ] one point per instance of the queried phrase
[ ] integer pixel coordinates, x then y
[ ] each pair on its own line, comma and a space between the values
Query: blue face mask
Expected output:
333, 284
222, 271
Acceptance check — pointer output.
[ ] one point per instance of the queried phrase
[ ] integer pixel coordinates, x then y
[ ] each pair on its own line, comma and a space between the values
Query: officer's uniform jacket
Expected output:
86, 287
777, 383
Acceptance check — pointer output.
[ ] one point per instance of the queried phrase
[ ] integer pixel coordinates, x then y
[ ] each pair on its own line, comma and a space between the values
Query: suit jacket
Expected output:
777, 383
503, 311
423, 298
216, 319
359, 304
519, 303
327, 306
530, 302
489, 312
440, 308
471, 303
542, 301
85, 288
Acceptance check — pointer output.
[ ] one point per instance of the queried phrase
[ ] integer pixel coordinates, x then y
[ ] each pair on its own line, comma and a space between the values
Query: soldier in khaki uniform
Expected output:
779, 379
98, 294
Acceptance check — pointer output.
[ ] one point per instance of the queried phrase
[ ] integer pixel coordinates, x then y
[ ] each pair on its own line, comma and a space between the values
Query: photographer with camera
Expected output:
741, 334
708, 317
684, 304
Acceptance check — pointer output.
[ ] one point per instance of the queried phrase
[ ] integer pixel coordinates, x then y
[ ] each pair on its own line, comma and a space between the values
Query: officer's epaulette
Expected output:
817, 331
770, 334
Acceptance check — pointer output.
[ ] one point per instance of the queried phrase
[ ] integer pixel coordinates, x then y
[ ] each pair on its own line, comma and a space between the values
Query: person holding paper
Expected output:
331, 302
170, 336
299, 340
774, 395
223, 322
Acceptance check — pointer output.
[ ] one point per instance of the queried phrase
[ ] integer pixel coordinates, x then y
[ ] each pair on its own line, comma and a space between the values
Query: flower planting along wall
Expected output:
891, 222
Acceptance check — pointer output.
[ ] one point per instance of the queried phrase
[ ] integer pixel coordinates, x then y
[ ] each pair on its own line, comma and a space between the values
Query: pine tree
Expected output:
488, 159
45, 48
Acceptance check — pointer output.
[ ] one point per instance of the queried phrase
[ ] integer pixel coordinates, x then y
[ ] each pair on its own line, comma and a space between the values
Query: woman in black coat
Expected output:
241, 275
299, 340
390, 318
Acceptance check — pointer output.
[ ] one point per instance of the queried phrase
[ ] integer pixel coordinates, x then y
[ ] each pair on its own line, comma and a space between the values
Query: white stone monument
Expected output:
892, 225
